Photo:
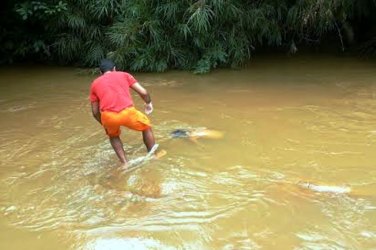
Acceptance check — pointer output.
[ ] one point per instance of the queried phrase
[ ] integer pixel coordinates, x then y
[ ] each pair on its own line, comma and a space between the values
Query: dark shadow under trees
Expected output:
149, 35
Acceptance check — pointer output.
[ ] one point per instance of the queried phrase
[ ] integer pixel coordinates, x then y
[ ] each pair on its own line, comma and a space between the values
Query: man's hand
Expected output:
95, 111
148, 108
144, 95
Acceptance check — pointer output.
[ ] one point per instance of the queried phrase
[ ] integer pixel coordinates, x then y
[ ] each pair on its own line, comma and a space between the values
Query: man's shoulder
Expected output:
126, 76
99, 79
114, 75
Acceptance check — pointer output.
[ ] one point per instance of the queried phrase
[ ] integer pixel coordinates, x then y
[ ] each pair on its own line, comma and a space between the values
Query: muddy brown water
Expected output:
285, 120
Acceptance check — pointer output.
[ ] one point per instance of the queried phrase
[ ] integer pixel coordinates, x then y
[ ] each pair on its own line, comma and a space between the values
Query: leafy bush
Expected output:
150, 35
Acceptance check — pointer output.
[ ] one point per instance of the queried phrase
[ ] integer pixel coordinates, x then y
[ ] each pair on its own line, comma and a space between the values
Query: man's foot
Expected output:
155, 153
160, 154
152, 150
124, 166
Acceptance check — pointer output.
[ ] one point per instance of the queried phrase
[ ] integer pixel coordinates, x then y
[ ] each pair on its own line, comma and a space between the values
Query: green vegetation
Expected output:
149, 35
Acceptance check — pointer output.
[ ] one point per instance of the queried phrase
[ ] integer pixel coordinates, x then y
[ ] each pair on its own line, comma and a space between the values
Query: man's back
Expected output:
112, 91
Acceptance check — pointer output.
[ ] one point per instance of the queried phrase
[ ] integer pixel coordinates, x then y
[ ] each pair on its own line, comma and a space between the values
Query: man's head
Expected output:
106, 65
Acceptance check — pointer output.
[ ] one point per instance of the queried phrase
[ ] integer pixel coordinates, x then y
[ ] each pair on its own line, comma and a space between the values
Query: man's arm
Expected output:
143, 93
95, 111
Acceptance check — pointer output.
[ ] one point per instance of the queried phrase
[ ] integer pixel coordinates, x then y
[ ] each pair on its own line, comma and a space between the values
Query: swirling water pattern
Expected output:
283, 122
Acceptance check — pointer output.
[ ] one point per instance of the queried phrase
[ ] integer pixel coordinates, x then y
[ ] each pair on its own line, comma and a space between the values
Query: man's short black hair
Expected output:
106, 65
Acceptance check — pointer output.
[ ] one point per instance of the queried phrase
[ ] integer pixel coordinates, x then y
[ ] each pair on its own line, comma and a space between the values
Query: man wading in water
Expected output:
112, 106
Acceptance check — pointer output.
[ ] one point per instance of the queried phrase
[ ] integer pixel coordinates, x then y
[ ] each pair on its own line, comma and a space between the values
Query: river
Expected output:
285, 121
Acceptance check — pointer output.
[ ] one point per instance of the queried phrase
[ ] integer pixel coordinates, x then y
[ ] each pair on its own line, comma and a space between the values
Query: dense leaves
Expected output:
150, 35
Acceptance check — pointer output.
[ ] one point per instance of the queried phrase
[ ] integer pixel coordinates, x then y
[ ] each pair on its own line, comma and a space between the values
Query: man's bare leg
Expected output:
148, 137
117, 145
149, 141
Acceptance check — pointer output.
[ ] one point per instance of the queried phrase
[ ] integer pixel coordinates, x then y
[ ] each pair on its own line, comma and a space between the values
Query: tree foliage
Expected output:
198, 35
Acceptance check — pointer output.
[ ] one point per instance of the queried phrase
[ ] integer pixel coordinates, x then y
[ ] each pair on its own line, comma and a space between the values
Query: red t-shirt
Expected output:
111, 90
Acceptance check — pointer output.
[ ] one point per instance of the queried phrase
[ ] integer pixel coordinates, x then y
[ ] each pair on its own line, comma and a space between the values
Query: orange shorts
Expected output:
129, 117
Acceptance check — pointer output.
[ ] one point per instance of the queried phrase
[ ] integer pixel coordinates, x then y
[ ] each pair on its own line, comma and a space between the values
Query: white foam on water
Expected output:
134, 162
125, 243
327, 189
